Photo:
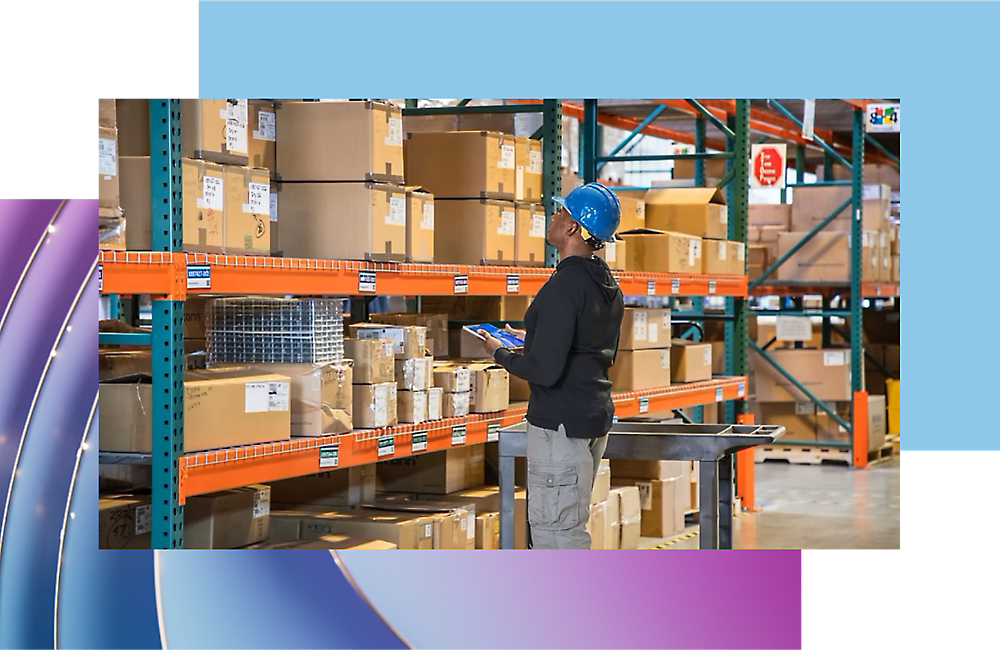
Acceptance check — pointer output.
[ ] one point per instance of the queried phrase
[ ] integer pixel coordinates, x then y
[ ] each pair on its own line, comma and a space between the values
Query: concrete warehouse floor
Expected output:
815, 506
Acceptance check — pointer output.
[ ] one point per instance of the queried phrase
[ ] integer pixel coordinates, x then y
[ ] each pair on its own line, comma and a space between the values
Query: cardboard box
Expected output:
263, 134
697, 211
810, 205
124, 522
132, 120
216, 130
115, 364
338, 488
343, 220
453, 378
721, 257
463, 165
648, 469
435, 398
419, 225
481, 308
633, 209
488, 500
770, 214
408, 531
321, 397
373, 360
595, 525
488, 530
615, 254
630, 515
246, 222
222, 408
714, 168
503, 122
204, 205
133, 172
111, 229
640, 369
369, 137
529, 234
612, 523
455, 405
442, 472
602, 484
107, 171
658, 502
436, 324
690, 361
454, 526
409, 341
520, 391
528, 169
662, 252
644, 329
412, 406
826, 373
106, 113
798, 418
374, 405
826, 257
757, 260
414, 374
228, 519
474, 231
877, 422
490, 388
332, 542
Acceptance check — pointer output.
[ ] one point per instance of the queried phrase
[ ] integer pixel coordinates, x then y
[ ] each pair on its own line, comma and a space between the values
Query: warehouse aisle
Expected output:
818, 507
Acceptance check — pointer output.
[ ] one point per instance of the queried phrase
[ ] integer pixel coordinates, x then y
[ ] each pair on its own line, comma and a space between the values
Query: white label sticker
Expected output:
328, 456
535, 162
538, 224
645, 495
260, 194
427, 530
471, 526
666, 321
740, 389
651, 288
506, 156
381, 405
199, 276
427, 222
718, 394
418, 442
665, 359
707, 355
741, 251
211, 190
273, 207
609, 252
793, 328
143, 520
506, 223
236, 127
458, 434
724, 216
697, 248
640, 210
265, 126
397, 211
100, 277
869, 192
461, 284
513, 284
653, 335
261, 503
805, 408
721, 248
639, 325
394, 138
366, 281
492, 432
644, 405
107, 160
711, 286
675, 285
256, 396
833, 358
277, 396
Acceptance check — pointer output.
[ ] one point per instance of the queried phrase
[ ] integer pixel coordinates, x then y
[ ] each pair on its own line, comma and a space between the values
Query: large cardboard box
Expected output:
474, 231
829, 429
463, 345
826, 257
488, 500
770, 214
528, 169
374, 405
488, 530
696, 211
454, 405
436, 324
338, 488
321, 396
373, 360
414, 374
463, 164
408, 341
661, 516
662, 252
263, 134
107, 173
412, 406
343, 220
648, 469
135, 200
895, 269
595, 525
640, 369
615, 254
798, 418
810, 205
721, 257
529, 234
222, 408
125, 521
877, 422
490, 388
453, 378
633, 208
419, 225
409, 531
368, 137
826, 373
442, 472
216, 130
246, 224
690, 361
229, 519
132, 120
204, 205
757, 260
644, 329
630, 515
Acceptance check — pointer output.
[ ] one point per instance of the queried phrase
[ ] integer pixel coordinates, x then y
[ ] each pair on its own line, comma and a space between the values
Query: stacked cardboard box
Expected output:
690, 361
529, 234
528, 170
321, 397
442, 472
111, 233
436, 324
643, 359
338, 488
664, 493
604, 524
627, 505
407, 530
454, 523
419, 225
226, 208
374, 394
229, 519
455, 381
487, 500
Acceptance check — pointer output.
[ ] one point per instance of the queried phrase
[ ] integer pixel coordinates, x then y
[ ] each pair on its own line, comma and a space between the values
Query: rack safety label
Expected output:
711, 286
675, 286
458, 435
651, 288
418, 442
740, 389
328, 456
199, 276
386, 445
366, 281
493, 432
718, 394
100, 278
513, 284
461, 284
643, 404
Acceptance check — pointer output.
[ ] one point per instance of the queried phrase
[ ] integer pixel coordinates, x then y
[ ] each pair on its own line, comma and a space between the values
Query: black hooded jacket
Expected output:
572, 326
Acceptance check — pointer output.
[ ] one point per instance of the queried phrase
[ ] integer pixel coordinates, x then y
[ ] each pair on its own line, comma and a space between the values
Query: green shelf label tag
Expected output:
458, 435
643, 404
328, 456
386, 445
418, 442
493, 432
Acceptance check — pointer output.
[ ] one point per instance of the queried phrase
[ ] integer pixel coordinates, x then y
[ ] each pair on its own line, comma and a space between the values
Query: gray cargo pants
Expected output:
560, 479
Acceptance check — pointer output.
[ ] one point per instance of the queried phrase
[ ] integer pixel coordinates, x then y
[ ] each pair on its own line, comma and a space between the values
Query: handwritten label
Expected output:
394, 136
427, 223
328, 456
366, 281
397, 211
461, 284
212, 194
535, 162
199, 276
386, 445
418, 442
260, 198
236, 126
506, 156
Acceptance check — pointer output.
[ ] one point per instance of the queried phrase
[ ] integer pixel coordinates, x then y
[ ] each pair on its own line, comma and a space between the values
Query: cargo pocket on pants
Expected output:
553, 498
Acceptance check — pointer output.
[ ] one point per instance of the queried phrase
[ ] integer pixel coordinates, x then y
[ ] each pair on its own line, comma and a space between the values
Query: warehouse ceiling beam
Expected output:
719, 124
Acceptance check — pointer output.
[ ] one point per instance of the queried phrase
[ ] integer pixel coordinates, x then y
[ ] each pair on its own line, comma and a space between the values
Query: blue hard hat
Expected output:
594, 207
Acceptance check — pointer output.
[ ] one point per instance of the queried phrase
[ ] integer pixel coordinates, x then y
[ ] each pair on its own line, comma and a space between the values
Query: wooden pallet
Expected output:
819, 454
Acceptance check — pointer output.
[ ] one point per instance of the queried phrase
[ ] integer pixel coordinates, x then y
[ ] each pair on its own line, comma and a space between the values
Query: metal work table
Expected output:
711, 444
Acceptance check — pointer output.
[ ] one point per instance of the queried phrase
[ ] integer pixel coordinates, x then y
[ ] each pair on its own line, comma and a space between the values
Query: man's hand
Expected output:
518, 333
490, 343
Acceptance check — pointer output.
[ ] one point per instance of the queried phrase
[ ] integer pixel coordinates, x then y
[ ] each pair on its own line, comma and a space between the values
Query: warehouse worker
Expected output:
570, 341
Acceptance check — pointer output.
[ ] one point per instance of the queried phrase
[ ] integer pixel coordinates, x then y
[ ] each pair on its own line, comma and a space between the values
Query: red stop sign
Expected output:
768, 166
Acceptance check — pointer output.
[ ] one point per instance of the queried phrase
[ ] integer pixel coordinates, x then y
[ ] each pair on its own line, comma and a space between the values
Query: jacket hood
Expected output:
599, 272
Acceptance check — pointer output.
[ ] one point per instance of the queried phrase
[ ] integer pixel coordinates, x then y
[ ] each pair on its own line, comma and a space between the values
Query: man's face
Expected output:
558, 225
